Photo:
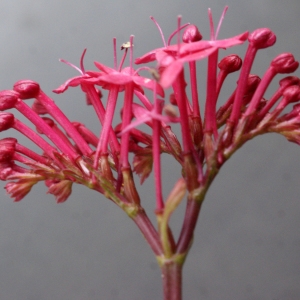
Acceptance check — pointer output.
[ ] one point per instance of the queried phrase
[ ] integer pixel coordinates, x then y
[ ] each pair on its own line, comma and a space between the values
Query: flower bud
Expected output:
291, 94
39, 108
191, 34
285, 63
27, 89
252, 83
49, 121
230, 63
6, 121
7, 149
288, 81
8, 99
262, 38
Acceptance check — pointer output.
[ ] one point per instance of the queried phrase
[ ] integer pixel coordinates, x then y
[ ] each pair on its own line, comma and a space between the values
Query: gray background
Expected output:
247, 241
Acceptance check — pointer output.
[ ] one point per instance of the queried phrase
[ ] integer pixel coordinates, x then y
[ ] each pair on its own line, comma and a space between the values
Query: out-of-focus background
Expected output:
247, 242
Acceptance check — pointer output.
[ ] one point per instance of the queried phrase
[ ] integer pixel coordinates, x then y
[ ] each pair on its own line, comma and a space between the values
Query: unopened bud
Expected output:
262, 38
230, 63
191, 34
6, 121
27, 89
291, 94
8, 99
7, 149
285, 63
252, 83
288, 81
39, 108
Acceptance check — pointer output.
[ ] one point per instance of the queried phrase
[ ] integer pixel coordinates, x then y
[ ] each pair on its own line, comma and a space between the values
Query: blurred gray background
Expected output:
247, 242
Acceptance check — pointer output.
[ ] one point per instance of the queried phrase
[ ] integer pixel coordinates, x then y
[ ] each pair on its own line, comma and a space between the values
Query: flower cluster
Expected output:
71, 153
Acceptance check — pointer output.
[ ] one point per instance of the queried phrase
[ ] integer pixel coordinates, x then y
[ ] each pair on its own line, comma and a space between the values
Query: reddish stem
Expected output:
194, 89
126, 118
179, 91
110, 110
172, 280
148, 231
211, 99
188, 227
65, 123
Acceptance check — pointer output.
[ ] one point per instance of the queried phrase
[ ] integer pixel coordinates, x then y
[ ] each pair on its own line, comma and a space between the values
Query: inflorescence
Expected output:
209, 135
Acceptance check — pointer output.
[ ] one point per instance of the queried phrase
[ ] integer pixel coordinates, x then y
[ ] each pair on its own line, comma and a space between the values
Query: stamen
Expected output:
160, 31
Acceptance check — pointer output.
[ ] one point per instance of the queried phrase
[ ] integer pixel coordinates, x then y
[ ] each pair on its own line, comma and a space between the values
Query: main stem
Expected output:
172, 280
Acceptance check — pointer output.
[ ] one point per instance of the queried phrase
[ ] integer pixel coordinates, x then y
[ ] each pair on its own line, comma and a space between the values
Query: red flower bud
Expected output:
191, 34
289, 80
39, 108
6, 121
262, 38
27, 89
8, 99
7, 149
230, 63
285, 63
291, 94
252, 83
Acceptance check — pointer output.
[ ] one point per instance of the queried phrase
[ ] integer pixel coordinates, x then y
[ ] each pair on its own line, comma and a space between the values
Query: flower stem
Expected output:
189, 224
148, 231
172, 280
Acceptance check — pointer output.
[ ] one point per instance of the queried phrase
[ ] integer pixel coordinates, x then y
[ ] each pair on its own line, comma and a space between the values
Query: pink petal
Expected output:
75, 81
149, 84
148, 57
117, 79
170, 73
104, 68
202, 45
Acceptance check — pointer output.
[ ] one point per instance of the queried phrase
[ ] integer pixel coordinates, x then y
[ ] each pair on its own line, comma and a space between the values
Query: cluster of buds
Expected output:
71, 153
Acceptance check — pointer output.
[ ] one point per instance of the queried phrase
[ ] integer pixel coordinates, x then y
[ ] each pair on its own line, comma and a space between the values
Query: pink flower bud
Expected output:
289, 80
230, 63
252, 83
285, 63
27, 89
291, 94
262, 38
39, 108
7, 149
6, 121
191, 34
8, 99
